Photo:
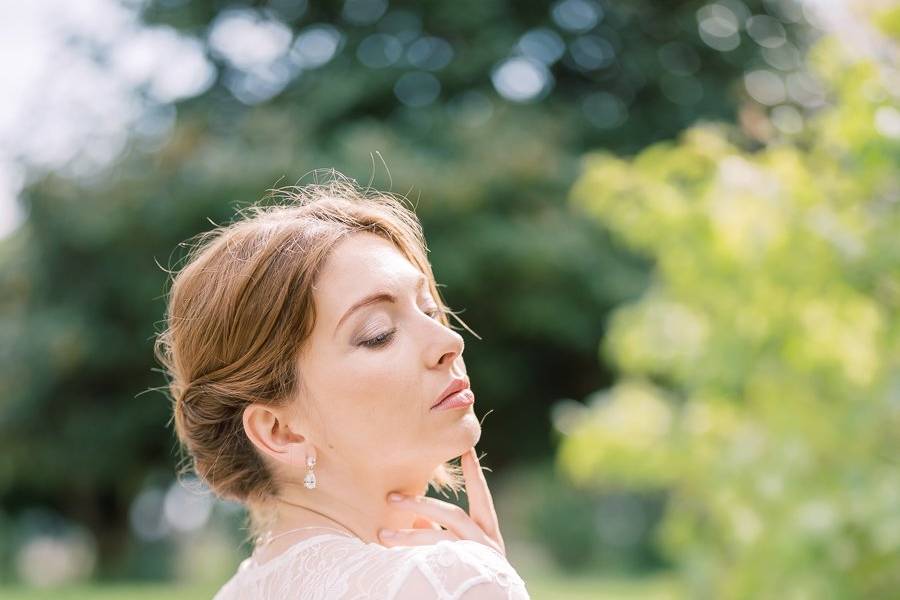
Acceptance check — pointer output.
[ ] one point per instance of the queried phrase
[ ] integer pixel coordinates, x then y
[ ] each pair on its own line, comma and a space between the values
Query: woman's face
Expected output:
370, 374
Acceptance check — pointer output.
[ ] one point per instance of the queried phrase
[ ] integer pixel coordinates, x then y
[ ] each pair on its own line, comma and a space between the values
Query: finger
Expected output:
449, 515
423, 523
415, 537
481, 504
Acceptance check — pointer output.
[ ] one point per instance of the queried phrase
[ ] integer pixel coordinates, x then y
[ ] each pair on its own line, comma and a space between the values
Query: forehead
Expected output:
359, 264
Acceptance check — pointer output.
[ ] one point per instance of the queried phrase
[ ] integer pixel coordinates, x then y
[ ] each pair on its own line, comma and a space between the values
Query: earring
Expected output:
310, 480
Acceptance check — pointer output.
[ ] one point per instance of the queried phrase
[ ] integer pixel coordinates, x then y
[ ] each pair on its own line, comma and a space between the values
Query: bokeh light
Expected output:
522, 79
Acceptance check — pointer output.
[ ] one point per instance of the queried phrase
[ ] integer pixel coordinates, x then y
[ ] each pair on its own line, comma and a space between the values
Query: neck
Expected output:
353, 501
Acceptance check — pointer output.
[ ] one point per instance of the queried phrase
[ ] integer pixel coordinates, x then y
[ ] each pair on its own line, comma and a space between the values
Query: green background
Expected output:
680, 255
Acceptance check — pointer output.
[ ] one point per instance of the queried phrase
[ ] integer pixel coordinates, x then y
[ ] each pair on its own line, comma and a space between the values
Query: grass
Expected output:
130, 591
558, 586
541, 586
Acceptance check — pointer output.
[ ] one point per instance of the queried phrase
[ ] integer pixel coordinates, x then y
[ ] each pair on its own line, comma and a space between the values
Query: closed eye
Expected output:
379, 340
383, 338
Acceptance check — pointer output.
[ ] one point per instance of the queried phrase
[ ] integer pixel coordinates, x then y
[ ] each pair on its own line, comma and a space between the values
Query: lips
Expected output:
455, 386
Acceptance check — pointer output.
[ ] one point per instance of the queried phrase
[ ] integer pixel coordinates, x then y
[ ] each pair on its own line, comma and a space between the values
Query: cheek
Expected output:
377, 409
376, 388
380, 384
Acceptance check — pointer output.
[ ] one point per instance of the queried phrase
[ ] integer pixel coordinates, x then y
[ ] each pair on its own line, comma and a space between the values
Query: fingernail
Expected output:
395, 497
387, 533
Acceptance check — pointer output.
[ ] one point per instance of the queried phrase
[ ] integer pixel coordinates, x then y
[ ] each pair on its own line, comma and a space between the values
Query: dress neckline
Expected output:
249, 567
250, 563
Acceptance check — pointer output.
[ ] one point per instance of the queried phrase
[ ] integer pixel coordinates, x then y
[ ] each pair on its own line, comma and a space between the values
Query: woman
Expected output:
309, 354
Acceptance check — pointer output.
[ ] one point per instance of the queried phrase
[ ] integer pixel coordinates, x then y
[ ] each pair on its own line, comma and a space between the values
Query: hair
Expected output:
240, 310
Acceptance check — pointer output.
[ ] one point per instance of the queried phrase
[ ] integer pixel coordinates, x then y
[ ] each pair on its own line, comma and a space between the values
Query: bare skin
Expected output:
480, 524
364, 412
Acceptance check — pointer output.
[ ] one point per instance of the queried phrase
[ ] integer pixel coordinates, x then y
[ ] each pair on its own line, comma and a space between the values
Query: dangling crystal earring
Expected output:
310, 480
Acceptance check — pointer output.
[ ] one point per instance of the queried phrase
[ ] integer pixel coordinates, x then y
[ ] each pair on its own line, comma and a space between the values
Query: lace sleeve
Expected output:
457, 570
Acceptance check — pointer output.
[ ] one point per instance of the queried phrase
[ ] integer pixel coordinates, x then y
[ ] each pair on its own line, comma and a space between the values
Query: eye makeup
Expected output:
383, 339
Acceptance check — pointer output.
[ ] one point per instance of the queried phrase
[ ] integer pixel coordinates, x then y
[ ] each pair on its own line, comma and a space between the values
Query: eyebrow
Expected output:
375, 298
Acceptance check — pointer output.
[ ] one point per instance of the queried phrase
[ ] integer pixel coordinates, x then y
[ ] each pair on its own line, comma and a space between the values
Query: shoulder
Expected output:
320, 558
459, 569
337, 567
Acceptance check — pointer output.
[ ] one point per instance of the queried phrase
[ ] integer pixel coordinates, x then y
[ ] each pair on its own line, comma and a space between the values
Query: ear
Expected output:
268, 429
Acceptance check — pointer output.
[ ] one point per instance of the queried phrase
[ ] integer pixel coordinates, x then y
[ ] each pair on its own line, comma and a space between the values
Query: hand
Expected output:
480, 525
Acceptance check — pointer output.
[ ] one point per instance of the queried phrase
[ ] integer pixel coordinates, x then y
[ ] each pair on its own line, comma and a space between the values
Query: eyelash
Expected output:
384, 338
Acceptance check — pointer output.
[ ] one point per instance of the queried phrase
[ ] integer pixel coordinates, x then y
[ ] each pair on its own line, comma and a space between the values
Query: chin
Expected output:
470, 432
458, 436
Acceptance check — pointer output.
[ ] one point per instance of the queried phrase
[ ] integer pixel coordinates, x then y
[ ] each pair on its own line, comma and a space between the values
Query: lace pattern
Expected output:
336, 567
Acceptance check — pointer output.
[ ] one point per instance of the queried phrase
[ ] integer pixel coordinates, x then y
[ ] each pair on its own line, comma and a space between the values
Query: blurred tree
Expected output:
484, 107
762, 367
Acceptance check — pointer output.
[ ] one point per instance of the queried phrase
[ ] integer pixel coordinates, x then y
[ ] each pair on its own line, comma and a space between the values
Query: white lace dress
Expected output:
333, 566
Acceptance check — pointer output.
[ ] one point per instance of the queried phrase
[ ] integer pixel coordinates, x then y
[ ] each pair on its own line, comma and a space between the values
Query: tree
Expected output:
762, 366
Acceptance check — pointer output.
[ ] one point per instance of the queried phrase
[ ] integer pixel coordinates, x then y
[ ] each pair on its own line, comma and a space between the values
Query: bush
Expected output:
761, 371
591, 530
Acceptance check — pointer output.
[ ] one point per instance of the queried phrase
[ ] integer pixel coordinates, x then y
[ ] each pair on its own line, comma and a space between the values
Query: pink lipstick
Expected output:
460, 399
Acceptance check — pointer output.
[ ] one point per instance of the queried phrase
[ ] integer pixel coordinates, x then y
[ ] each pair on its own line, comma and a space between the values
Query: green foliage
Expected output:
762, 367
605, 531
563, 520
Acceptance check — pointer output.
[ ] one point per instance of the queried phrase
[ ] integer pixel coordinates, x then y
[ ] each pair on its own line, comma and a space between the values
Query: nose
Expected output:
449, 348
